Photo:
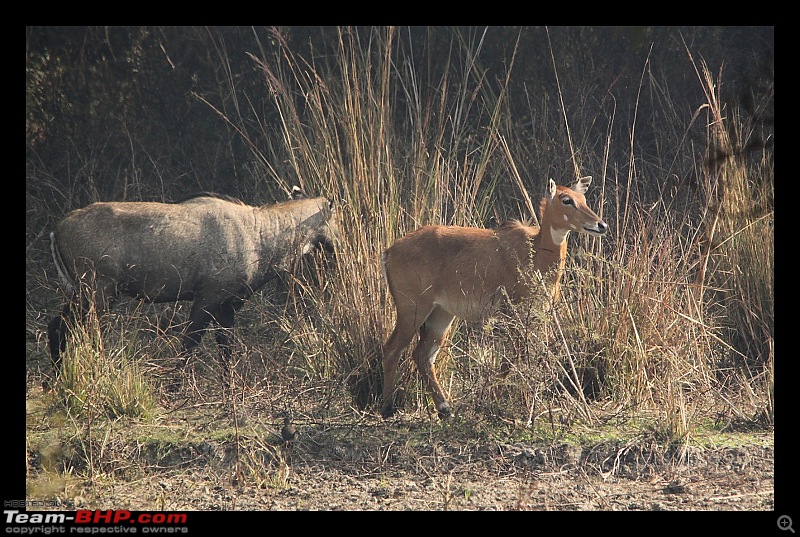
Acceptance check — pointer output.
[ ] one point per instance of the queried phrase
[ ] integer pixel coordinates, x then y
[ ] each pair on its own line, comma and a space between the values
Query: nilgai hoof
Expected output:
387, 412
444, 412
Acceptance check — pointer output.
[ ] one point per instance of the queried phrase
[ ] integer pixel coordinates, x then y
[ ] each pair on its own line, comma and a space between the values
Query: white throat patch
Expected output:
558, 236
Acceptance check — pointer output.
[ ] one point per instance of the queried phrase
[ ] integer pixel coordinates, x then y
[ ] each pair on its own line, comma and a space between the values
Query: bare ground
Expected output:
204, 455
461, 477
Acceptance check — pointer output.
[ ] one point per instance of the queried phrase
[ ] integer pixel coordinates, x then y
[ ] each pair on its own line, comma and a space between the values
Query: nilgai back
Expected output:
214, 252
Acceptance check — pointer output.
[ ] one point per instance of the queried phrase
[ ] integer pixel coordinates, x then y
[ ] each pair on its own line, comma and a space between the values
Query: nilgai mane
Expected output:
215, 252
438, 273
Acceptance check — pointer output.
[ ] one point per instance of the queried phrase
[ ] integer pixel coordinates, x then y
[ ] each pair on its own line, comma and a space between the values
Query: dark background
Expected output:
118, 112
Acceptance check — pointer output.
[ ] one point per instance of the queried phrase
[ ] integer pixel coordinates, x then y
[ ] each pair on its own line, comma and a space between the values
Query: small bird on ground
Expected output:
289, 431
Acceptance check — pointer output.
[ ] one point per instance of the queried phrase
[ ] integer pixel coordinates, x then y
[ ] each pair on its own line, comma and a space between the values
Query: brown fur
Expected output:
438, 273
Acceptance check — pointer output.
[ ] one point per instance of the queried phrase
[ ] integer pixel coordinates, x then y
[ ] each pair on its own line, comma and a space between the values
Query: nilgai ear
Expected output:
551, 189
297, 193
583, 184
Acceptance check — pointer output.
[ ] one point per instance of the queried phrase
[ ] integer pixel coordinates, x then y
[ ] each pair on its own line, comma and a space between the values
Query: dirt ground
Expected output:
208, 451
495, 478
209, 461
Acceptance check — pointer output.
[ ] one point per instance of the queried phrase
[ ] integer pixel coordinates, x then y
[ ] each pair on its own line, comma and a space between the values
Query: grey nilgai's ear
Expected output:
297, 193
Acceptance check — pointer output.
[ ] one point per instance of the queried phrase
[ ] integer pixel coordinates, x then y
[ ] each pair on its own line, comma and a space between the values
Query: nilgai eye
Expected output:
568, 201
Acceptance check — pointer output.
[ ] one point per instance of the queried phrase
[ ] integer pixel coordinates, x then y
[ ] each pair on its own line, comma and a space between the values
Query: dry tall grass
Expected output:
669, 321
654, 321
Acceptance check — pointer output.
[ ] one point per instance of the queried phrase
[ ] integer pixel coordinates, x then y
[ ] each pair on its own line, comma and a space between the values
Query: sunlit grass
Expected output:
631, 313
671, 313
